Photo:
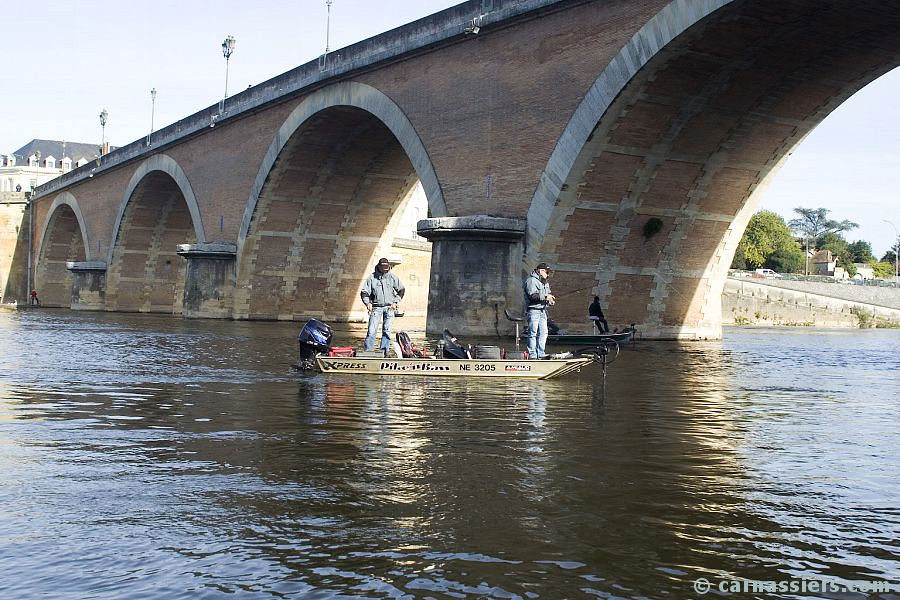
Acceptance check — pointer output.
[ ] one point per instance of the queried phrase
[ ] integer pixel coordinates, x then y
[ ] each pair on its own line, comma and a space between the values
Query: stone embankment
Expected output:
13, 246
816, 304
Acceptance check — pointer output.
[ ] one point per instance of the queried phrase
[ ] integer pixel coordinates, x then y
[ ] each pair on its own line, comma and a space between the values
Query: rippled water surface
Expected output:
151, 457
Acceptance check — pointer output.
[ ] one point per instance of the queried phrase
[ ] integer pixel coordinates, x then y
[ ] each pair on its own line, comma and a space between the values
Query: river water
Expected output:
153, 457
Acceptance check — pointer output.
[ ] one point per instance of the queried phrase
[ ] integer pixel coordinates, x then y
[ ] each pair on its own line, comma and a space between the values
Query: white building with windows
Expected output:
39, 161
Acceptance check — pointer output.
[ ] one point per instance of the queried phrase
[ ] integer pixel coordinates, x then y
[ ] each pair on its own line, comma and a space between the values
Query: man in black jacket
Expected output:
595, 314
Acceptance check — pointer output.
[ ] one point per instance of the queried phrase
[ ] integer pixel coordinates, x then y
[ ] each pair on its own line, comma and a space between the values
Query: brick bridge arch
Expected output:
563, 131
158, 212
683, 127
325, 205
63, 239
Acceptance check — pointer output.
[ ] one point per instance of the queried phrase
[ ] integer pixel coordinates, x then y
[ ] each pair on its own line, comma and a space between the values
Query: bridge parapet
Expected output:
440, 28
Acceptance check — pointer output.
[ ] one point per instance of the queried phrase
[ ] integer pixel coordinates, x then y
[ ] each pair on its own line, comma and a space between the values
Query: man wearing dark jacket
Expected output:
595, 314
537, 299
381, 294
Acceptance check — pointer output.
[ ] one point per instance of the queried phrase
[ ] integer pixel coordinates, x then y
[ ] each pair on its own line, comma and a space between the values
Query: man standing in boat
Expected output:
381, 294
537, 299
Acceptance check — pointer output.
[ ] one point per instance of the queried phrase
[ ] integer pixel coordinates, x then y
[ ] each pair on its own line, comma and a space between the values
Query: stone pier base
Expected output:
209, 280
88, 284
476, 264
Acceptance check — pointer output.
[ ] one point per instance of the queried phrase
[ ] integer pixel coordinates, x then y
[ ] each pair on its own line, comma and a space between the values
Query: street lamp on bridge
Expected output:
328, 25
227, 50
152, 115
103, 116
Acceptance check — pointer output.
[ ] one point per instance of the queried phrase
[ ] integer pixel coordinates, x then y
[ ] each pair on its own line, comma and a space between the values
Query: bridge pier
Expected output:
476, 264
88, 284
209, 280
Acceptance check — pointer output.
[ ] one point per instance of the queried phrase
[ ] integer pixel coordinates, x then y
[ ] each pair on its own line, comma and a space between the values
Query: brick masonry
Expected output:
686, 134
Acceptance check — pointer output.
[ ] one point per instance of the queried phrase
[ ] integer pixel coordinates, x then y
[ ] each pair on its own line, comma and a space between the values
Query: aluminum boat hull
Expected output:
445, 367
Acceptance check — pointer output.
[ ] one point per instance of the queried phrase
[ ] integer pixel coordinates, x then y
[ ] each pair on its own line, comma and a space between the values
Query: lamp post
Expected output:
34, 184
896, 250
328, 25
152, 115
227, 50
103, 116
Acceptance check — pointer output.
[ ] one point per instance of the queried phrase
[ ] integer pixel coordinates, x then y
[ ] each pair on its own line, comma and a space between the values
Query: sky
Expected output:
70, 60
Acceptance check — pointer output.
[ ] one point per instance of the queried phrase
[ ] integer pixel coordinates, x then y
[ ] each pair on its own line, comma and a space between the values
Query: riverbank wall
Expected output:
746, 302
13, 246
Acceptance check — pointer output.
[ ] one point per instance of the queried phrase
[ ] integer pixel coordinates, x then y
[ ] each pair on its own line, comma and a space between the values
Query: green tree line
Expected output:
772, 243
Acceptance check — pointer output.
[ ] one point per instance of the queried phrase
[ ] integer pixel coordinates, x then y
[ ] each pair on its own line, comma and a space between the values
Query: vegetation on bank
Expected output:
770, 242
869, 321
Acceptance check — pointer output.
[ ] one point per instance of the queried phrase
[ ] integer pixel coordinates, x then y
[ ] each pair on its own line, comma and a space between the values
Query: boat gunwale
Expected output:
562, 366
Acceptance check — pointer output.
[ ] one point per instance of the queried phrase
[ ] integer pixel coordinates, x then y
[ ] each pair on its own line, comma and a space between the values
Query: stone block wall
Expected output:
749, 303
13, 247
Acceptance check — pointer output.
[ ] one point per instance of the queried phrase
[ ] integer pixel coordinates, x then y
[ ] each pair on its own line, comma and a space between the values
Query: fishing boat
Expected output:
586, 339
452, 359
578, 339
445, 367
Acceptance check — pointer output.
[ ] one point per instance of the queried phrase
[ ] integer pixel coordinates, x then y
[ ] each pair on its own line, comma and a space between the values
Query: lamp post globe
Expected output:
104, 115
227, 50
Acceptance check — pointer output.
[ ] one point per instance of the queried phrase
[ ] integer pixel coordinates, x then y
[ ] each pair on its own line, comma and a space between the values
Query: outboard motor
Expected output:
315, 337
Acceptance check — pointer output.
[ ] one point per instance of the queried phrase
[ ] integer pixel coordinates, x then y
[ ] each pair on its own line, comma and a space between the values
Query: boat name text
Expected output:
395, 366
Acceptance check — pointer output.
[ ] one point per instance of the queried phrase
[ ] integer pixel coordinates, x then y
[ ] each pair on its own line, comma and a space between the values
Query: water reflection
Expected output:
186, 458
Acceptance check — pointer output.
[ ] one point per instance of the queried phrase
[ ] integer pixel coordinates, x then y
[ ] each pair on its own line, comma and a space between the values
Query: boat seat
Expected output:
512, 317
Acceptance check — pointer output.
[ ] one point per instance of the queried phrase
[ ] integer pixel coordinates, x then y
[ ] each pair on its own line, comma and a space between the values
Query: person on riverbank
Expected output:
35, 301
381, 294
595, 314
537, 298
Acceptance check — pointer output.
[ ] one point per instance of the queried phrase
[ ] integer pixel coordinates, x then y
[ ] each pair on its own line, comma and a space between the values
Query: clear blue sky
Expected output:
69, 60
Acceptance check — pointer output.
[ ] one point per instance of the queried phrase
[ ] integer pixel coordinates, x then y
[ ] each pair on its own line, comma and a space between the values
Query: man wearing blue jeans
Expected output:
537, 299
381, 294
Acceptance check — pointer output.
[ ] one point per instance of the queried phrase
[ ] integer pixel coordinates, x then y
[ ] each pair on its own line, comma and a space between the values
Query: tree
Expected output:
814, 222
839, 247
890, 257
883, 269
834, 242
739, 261
786, 260
861, 251
766, 233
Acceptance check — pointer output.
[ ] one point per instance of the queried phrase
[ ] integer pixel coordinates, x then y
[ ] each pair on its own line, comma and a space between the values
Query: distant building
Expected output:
39, 161
864, 271
824, 263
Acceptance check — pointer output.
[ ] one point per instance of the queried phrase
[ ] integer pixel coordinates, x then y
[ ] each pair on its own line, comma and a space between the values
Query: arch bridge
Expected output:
622, 141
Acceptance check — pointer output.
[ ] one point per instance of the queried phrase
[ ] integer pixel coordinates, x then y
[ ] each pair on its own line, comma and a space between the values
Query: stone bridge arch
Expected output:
158, 212
651, 184
62, 239
326, 203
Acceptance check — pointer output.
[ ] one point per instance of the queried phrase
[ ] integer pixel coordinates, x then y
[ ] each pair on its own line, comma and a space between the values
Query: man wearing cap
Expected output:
381, 294
537, 299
